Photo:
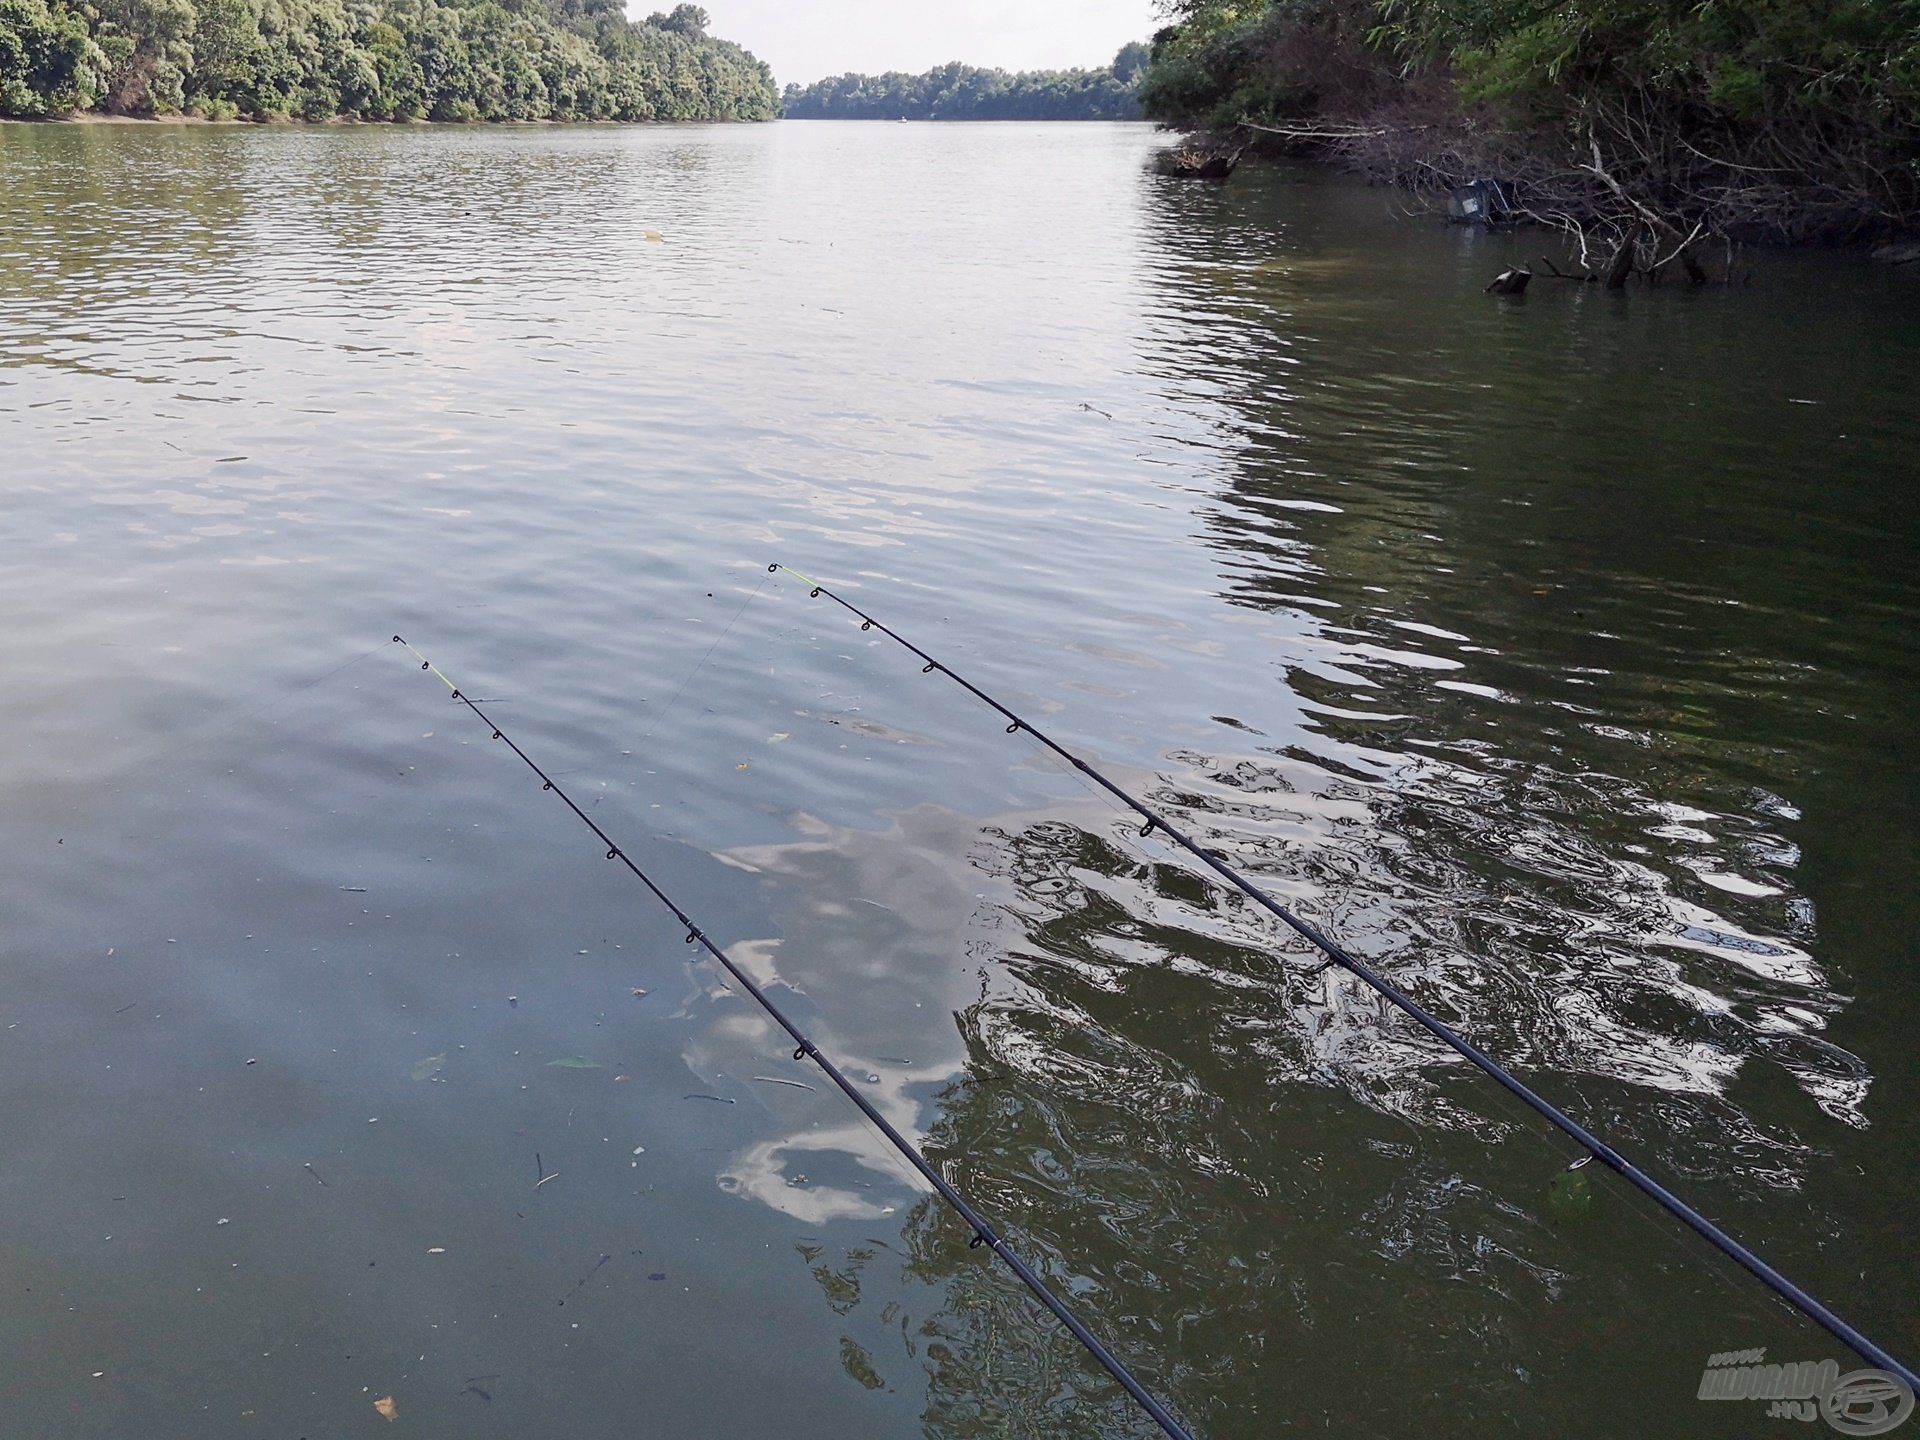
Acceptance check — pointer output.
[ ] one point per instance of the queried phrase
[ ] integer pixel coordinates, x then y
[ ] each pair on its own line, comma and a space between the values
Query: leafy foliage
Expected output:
967, 92
1625, 121
48, 62
374, 60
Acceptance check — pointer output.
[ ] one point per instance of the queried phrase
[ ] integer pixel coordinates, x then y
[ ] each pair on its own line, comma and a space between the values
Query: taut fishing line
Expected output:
177, 747
983, 1233
702, 662
1596, 1148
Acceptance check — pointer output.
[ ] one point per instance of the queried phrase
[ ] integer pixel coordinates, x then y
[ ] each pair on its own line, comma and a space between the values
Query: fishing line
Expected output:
702, 664
1596, 1148
983, 1233
698, 666
179, 747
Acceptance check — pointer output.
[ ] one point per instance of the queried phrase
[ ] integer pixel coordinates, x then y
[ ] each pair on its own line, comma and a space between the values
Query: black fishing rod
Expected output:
1596, 1148
983, 1233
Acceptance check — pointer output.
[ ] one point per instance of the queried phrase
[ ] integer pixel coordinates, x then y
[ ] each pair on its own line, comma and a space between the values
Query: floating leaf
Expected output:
575, 1062
859, 1365
1570, 1197
428, 1068
386, 1409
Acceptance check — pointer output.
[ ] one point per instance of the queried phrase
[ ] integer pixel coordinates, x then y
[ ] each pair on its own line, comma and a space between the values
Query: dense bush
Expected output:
1667, 118
48, 62
374, 60
966, 92
1741, 60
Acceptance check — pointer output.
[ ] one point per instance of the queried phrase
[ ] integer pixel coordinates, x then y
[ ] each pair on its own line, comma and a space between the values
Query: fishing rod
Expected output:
1596, 1148
983, 1233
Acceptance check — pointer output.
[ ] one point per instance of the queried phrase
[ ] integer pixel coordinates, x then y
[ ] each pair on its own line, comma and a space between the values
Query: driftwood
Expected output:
1331, 132
1198, 162
1621, 265
1554, 272
1509, 282
1635, 166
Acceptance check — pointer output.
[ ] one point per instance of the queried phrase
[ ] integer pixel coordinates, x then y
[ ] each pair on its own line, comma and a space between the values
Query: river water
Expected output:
1556, 655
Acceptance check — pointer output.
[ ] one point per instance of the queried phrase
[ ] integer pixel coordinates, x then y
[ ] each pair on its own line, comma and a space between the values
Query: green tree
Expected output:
377, 59
688, 20
967, 92
49, 64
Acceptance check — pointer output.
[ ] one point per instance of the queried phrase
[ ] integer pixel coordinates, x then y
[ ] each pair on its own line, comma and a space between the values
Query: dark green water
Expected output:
1557, 656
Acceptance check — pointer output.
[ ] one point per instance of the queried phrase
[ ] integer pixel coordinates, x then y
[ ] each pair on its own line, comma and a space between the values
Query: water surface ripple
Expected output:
1555, 656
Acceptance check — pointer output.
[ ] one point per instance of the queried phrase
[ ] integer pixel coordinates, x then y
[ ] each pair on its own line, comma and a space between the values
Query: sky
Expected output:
806, 39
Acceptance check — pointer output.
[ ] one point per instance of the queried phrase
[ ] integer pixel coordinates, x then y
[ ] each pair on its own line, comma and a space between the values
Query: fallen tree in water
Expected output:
1200, 158
1628, 125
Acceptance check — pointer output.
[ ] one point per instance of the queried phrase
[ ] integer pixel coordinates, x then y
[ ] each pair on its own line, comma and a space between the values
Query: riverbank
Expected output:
1650, 144
382, 61
1623, 180
343, 122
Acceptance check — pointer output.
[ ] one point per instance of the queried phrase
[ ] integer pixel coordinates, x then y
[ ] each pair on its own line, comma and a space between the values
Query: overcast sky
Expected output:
806, 39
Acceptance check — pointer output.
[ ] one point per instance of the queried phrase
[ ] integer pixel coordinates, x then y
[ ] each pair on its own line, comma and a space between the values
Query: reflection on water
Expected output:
1553, 656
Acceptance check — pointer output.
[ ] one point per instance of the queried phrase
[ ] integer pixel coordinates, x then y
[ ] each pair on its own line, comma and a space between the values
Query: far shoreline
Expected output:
94, 117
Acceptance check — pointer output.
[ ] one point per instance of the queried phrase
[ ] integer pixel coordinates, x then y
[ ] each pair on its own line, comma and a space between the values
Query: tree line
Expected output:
1788, 118
967, 92
450, 60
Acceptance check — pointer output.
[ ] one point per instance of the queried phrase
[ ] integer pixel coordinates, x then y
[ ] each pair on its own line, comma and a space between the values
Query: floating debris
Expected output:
1570, 1194
579, 1284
